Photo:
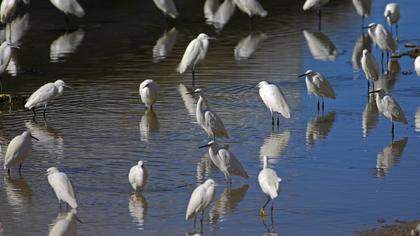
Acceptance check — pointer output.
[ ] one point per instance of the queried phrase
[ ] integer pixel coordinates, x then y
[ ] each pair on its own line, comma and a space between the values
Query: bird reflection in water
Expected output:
319, 127
66, 44
210, 8
149, 124
204, 168
189, 101
18, 193
390, 156
248, 45
223, 14
274, 146
320, 46
364, 42
50, 140
417, 119
370, 115
137, 206
386, 82
164, 45
64, 224
17, 29
226, 203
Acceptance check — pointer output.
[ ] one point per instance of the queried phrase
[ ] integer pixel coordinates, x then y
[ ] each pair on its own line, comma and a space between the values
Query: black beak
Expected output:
303, 75
366, 27
376, 91
204, 146
77, 218
34, 138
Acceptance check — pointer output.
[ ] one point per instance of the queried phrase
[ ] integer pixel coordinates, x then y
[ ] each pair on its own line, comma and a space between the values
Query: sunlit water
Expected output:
340, 170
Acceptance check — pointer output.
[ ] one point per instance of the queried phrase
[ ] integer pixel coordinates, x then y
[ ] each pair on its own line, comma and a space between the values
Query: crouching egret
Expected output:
138, 176
274, 100
224, 159
270, 185
317, 85
392, 15
200, 199
69, 7
62, 187
370, 67
18, 150
148, 91
45, 94
390, 108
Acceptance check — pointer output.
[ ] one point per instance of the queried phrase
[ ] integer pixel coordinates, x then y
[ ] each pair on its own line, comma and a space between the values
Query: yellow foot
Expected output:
262, 213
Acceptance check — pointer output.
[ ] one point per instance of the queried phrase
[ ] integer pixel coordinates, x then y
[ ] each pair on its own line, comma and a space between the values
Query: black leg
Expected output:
272, 210
195, 220
272, 120
392, 130
8, 171
396, 30
268, 200
322, 104
33, 110
368, 86
45, 109
278, 119
202, 218
318, 104
382, 61
319, 19
20, 169
1, 83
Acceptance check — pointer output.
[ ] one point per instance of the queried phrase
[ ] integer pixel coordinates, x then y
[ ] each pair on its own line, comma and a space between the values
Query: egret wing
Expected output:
196, 202
392, 107
14, 150
324, 86
191, 55
276, 100
63, 188
42, 95
269, 182
233, 165
213, 121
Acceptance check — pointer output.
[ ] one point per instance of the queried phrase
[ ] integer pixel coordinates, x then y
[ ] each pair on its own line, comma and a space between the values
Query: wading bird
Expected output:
6, 53
251, 7
167, 7
44, 95
363, 8
69, 7
62, 187
274, 100
200, 199
18, 150
317, 85
148, 91
370, 67
224, 159
392, 15
270, 185
381, 37
138, 176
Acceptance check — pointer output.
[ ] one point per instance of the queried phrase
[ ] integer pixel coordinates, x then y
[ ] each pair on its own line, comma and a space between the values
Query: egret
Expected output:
390, 108
69, 7
7, 10
195, 52
6, 53
392, 15
274, 100
65, 224
200, 200
209, 120
370, 67
251, 7
381, 37
224, 159
62, 187
18, 150
269, 184
138, 176
45, 94
317, 85
148, 91
417, 65
363, 8
167, 7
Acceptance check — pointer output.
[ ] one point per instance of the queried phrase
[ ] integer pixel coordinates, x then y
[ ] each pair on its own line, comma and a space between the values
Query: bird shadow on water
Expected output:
390, 156
319, 127
137, 206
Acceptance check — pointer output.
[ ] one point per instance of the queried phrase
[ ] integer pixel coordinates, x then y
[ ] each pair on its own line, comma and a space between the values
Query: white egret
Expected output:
18, 150
66, 44
164, 45
65, 224
7, 10
45, 94
381, 37
251, 7
390, 108
148, 91
195, 52
370, 67
269, 183
318, 85
62, 187
320, 46
167, 7
138, 176
209, 120
363, 8
274, 100
69, 7
200, 199
248, 45
392, 15
6, 53
417, 65
227, 163
415, 231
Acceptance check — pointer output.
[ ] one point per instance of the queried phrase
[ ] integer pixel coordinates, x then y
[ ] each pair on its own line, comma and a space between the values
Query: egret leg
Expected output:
396, 31
382, 61
202, 218
20, 169
262, 211
278, 120
318, 104
322, 104
271, 214
45, 109
33, 110
319, 19
392, 130
195, 219
193, 77
8, 171
1, 84
272, 120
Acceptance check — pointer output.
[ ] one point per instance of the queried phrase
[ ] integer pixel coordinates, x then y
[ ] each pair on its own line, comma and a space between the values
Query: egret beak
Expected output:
376, 91
212, 38
77, 218
204, 146
302, 75
68, 86
34, 138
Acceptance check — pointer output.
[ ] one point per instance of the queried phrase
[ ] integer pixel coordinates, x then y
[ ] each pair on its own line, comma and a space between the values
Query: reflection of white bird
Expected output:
69, 7
417, 119
320, 46
364, 42
62, 187
164, 45
417, 65
148, 91
6, 53
18, 150
226, 203
13, 66
138, 176
223, 14
370, 67
390, 108
319, 127
274, 100
18, 192
389, 156
65, 224
210, 8
51, 142
363, 7
318, 85
314, 4
7, 10
201, 197
66, 44
18, 28
269, 183
45, 94
248, 45
209, 120
137, 205
227, 163
167, 7
370, 116
392, 14
149, 123
274, 145
204, 167
381, 36
251, 7
189, 100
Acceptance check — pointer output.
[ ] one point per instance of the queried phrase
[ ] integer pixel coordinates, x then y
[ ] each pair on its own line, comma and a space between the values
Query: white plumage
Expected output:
417, 65
148, 91
7, 10
318, 85
382, 37
392, 13
269, 183
315, 4
5, 55
201, 197
62, 187
195, 52
18, 150
167, 7
369, 66
138, 176
69, 7
251, 7
363, 7
274, 99
65, 225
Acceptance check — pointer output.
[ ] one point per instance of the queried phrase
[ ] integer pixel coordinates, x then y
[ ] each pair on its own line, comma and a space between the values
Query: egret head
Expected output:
140, 163
28, 133
210, 183
52, 170
372, 25
381, 92
204, 36
365, 52
210, 143
60, 83
308, 73
262, 83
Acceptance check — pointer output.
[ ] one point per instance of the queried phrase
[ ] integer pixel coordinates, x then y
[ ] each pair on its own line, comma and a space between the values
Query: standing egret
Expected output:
390, 108
167, 7
148, 91
251, 7
370, 67
227, 163
209, 120
195, 52
6, 54
392, 15
62, 187
138, 176
274, 100
69, 7
363, 8
45, 94
18, 150
269, 184
417, 65
200, 199
381, 37
317, 85
7, 10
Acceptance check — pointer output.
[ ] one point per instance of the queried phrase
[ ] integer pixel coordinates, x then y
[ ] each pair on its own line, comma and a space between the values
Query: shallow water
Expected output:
340, 170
